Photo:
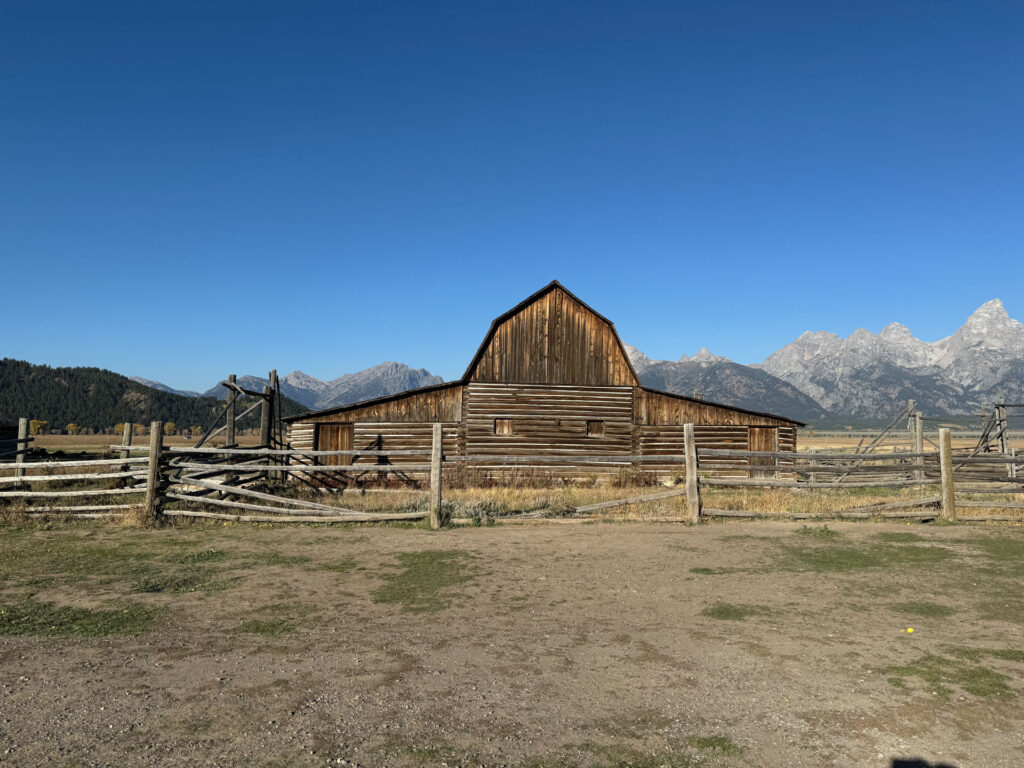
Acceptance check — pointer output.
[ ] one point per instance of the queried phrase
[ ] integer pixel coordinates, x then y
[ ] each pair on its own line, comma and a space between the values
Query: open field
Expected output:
753, 644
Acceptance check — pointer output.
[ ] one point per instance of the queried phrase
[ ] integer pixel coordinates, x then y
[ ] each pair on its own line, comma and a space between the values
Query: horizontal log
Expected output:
816, 455
77, 463
264, 496
313, 468
84, 515
79, 508
140, 447
98, 492
49, 478
870, 508
631, 500
568, 459
989, 519
961, 489
990, 504
261, 452
296, 518
771, 483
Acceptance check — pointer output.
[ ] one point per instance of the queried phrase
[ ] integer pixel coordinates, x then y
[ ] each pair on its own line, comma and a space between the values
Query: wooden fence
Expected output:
255, 484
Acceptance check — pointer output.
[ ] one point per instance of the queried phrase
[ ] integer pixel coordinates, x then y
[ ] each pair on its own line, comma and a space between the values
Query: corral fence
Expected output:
258, 484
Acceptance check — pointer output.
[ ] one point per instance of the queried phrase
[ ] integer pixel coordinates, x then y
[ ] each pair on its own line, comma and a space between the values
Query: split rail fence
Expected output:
257, 484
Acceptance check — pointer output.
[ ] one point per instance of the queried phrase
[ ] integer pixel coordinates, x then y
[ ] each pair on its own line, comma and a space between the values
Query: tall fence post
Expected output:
435, 477
692, 487
946, 467
21, 446
156, 445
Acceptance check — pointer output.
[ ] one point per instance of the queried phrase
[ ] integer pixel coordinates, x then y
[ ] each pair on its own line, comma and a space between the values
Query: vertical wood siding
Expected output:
553, 340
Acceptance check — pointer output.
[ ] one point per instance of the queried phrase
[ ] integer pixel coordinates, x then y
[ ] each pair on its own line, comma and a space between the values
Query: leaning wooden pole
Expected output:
946, 468
435, 477
156, 445
919, 444
21, 447
266, 418
692, 487
229, 415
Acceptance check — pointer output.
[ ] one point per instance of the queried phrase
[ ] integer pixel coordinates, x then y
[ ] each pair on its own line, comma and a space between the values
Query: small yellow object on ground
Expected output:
910, 629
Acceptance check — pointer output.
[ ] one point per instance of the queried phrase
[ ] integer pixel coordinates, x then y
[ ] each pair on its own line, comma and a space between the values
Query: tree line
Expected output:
97, 400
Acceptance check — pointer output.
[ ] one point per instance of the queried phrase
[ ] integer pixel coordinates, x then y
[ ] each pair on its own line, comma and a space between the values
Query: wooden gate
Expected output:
762, 439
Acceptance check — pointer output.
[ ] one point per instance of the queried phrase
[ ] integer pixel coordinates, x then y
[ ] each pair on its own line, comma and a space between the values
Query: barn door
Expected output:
334, 437
762, 439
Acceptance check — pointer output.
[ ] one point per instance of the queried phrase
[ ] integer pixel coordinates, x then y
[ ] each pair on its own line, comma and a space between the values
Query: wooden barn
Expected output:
551, 378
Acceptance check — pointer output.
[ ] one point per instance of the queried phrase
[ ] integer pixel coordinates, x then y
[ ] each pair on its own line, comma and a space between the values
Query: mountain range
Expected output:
820, 378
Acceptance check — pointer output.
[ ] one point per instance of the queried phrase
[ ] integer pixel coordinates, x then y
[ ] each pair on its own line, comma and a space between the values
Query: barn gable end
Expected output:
552, 338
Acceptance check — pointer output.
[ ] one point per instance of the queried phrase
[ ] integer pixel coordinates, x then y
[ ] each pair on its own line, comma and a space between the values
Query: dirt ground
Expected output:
628, 644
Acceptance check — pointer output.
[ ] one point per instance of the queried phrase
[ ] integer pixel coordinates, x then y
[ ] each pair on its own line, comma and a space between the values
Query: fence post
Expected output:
265, 418
946, 467
692, 487
1013, 462
21, 446
435, 477
156, 445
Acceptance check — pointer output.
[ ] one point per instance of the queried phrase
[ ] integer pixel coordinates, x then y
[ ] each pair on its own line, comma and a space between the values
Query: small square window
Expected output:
503, 427
595, 429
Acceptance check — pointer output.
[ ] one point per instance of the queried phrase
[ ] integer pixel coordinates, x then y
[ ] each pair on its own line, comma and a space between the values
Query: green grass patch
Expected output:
899, 537
818, 531
271, 627
204, 556
180, 582
977, 654
924, 608
276, 558
830, 558
938, 673
734, 611
721, 745
29, 617
342, 566
425, 577
711, 571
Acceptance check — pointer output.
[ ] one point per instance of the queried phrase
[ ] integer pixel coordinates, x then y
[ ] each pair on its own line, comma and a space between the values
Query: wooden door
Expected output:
762, 439
334, 437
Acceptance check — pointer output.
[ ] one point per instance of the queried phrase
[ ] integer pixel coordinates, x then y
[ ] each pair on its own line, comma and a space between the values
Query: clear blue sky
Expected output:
192, 189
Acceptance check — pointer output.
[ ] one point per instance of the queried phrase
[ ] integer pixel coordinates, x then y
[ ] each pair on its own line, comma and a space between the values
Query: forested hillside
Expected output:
94, 398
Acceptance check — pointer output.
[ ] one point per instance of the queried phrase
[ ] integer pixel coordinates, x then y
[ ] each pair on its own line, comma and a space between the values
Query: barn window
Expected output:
503, 427
595, 429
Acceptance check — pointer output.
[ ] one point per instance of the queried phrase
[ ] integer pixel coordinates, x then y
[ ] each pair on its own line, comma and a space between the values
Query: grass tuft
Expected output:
818, 531
940, 672
723, 745
48, 620
734, 612
422, 583
924, 608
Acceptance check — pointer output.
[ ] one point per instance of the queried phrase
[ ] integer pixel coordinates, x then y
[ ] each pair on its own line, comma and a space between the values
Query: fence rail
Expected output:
240, 483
